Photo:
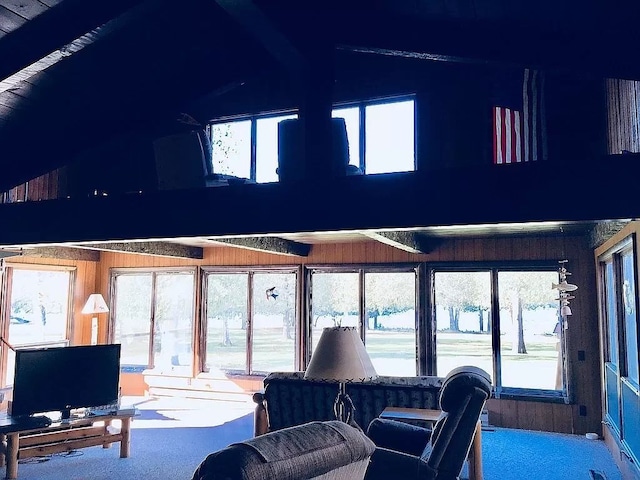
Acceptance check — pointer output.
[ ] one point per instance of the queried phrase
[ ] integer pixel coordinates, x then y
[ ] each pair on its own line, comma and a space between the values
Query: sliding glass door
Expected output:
153, 318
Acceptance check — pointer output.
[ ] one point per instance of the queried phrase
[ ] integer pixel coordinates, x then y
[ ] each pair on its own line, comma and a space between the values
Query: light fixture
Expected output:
94, 306
340, 357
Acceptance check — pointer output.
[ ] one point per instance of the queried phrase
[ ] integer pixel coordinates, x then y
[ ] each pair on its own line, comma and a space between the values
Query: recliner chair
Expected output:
400, 448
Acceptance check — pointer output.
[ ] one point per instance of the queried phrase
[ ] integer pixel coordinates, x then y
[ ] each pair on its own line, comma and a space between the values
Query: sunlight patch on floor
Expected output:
174, 412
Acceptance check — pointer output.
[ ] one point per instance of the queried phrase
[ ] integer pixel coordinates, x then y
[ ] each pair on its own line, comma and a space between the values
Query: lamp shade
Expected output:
95, 304
340, 356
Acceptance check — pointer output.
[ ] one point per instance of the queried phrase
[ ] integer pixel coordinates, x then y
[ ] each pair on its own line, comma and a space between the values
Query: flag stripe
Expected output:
520, 135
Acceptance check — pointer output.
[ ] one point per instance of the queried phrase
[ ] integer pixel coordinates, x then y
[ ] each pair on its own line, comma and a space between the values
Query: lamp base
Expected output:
343, 406
94, 330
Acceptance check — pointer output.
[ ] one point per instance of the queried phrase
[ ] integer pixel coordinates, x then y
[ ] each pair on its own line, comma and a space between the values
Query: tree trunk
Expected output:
226, 337
518, 344
288, 323
454, 318
481, 319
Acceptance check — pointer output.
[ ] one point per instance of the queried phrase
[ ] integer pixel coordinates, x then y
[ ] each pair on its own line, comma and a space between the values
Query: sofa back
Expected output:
290, 400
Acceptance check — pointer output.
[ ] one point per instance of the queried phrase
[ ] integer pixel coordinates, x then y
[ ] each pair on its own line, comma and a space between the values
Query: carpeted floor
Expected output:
172, 436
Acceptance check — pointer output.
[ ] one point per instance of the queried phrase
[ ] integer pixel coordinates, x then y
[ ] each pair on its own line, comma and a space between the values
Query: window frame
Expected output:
6, 282
154, 272
361, 105
250, 271
494, 268
362, 270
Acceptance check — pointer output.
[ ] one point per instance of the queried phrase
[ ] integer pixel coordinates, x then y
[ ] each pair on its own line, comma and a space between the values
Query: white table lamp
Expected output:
341, 357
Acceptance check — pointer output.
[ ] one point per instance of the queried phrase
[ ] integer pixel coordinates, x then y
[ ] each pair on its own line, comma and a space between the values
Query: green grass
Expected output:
393, 353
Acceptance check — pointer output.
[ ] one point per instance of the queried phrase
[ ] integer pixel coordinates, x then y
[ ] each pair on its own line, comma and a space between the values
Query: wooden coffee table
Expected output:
431, 416
63, 437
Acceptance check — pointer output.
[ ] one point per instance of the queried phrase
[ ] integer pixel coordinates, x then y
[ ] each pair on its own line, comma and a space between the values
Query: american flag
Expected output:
519, 123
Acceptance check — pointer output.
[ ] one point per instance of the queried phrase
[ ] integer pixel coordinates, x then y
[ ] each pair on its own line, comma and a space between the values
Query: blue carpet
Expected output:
523, 455
169, 442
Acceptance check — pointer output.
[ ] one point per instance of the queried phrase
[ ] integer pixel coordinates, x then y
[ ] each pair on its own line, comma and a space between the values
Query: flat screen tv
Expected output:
64, 378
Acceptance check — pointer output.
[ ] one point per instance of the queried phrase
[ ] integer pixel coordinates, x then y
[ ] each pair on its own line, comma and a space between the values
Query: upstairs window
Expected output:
381, 138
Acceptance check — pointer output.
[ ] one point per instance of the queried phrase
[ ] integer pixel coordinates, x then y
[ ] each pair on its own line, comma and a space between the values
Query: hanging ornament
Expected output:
564, 287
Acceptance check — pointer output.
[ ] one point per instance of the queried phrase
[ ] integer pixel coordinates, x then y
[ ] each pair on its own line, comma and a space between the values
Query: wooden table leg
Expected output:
125, 430
475, 455
107, 425
13, 445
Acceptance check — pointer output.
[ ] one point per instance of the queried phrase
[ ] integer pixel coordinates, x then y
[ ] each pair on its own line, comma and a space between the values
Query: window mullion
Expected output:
152, 321
254, 149
249, 353
495, 332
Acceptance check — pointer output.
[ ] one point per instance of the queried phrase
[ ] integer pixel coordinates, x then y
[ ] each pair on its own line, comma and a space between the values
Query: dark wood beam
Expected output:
277, 245
594, 47
412, 242
63, 253
55, 28
603, 231
159, 249
464, 196
260, 26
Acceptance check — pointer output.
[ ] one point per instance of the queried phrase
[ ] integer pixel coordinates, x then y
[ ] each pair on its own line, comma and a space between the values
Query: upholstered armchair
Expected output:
412, 452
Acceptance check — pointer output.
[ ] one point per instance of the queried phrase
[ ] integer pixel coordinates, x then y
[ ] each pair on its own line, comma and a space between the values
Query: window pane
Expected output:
226, 321
391, 322
267, 148
389, 133
612, 317
334, 302
351, 117
39, 310
530, 350
173, 325
630, 323
273, 322
463, 322
132, 317
231, 144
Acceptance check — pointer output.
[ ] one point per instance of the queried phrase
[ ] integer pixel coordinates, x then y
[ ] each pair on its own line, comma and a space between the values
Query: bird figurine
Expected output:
271, 293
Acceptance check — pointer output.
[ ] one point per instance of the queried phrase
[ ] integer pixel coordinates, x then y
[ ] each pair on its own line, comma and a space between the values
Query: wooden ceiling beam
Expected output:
62, 253
568, 47
158, 249
260, 26
412, 242
603, 231
276, 245
375, 202
53, 29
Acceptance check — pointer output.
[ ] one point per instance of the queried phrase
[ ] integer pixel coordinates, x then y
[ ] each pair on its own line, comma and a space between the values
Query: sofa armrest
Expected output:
399, 436
260, 422
386, 464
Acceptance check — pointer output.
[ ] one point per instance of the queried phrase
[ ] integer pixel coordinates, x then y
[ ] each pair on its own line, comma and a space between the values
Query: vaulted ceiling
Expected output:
74, 74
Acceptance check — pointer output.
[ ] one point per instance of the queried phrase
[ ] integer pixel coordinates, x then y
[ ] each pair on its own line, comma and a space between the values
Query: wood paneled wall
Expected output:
49, 186
582, 335
623, 115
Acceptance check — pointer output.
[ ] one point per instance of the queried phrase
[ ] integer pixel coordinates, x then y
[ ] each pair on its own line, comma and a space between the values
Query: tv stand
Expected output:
69, 434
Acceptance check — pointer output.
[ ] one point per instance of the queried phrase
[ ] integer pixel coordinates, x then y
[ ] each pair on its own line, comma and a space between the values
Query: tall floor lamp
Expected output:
94, 306
340, 357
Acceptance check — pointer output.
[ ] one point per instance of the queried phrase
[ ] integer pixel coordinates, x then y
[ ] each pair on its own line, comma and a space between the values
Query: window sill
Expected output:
532, 396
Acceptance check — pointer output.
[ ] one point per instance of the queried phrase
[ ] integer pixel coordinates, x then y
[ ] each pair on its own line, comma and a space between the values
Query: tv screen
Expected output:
63, 378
